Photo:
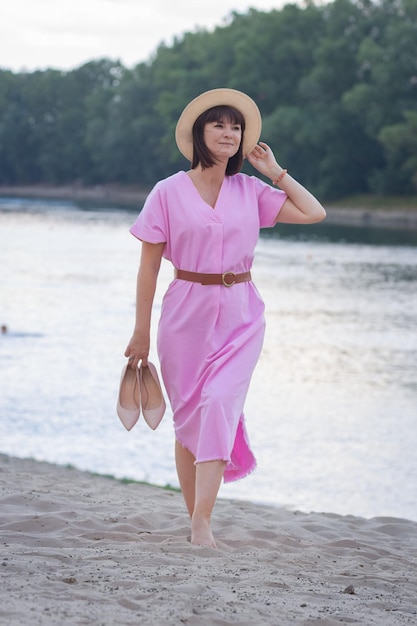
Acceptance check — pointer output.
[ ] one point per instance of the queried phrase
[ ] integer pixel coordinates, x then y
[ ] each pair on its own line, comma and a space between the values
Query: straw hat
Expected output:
212, 98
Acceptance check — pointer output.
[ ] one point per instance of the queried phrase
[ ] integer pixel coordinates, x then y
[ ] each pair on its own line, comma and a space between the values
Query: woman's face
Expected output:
222, 138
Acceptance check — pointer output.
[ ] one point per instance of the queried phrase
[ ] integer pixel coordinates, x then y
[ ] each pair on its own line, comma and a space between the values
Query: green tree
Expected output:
400, 143
386, 87
336, 84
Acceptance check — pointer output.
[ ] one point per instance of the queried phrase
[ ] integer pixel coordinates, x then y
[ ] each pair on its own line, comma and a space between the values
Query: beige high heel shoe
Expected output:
152, 399
128, 401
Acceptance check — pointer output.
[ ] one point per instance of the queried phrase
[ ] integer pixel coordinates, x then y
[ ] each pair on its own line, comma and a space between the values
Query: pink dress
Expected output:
210, 336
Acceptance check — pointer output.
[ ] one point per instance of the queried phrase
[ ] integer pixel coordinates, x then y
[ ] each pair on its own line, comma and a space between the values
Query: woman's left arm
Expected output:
301, 207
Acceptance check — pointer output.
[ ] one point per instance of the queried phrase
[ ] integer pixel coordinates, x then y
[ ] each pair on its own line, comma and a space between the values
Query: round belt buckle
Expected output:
226, 284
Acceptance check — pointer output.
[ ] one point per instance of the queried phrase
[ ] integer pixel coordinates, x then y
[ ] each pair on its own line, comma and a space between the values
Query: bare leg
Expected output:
208, 478
186, 471
200, 485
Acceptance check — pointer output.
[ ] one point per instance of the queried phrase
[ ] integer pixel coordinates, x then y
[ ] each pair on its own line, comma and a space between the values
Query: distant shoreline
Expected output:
401, 218
369, 214
127, 196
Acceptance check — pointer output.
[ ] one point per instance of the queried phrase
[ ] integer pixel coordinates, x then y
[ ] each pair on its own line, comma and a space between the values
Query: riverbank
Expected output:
83, 548
371, 211
377, 211
121, 195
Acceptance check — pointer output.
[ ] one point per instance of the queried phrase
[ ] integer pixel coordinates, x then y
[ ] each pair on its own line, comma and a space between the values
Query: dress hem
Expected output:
230, 478
233, 479
228, 460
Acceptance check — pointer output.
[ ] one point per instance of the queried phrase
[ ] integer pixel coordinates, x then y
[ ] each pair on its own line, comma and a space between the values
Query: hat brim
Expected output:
218, 97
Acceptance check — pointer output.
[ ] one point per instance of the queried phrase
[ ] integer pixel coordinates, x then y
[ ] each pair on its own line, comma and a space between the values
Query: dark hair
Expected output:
201, 154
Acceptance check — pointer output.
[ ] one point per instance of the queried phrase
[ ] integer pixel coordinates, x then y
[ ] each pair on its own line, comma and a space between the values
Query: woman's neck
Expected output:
211, 176
208, 182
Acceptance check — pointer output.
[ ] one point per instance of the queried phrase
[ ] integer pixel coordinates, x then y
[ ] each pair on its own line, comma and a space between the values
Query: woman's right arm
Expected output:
150, 262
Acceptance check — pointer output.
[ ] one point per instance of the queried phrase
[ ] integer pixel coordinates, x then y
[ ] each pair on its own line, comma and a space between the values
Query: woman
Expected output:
206, 222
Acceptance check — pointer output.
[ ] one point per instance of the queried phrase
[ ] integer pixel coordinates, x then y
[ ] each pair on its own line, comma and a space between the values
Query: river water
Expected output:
332, 409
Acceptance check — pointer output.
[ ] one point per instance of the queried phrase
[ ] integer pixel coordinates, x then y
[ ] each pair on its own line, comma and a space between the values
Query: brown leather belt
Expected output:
228, 279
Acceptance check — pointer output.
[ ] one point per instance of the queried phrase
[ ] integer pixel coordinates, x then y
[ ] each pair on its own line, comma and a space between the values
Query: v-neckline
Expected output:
207, 204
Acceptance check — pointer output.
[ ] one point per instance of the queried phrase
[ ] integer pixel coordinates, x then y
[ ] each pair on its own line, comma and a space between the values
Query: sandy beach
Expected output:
78, 548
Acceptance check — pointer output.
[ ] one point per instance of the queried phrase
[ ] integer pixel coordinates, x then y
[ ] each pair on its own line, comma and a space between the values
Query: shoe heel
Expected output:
128, 401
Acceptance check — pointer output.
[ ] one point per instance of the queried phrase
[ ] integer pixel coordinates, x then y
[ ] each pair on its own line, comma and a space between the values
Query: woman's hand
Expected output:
300, 207
138, 349
262, 158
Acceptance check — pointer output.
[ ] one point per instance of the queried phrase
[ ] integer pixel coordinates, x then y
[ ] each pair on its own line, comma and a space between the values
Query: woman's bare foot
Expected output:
201, 534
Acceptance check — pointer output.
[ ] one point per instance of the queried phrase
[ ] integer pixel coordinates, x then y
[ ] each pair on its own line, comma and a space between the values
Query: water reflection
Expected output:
345, 234
332, 408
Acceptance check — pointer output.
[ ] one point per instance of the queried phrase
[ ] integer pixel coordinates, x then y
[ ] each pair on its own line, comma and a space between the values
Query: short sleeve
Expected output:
150, 224
270, 202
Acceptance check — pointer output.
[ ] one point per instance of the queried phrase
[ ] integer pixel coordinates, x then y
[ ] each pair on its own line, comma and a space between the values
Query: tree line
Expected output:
336, 85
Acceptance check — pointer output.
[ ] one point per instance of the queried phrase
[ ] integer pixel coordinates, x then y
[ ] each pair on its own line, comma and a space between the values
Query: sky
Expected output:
64, 34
